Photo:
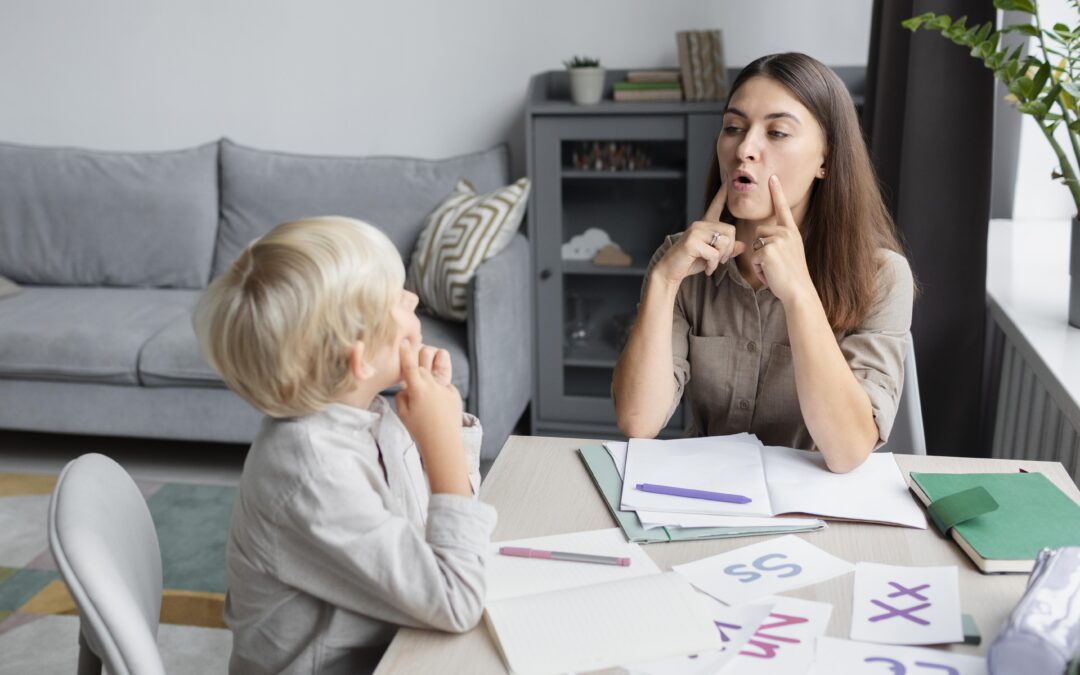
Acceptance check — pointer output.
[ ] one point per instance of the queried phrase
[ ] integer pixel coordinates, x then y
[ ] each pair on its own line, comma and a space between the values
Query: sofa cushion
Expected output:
83, 334
261, 189
461, 233
172, 357
72, 217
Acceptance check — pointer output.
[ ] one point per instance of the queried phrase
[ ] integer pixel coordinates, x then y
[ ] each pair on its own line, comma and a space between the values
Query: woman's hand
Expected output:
777, 255
704, 246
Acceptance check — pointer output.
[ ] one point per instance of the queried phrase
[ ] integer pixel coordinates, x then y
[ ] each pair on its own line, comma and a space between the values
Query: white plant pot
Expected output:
586, 85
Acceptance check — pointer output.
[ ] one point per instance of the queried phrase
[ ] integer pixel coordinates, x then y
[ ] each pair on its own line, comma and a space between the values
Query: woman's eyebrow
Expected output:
770, 116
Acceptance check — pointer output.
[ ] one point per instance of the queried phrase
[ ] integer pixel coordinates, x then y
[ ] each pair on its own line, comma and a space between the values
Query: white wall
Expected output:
408, 77
1037, 196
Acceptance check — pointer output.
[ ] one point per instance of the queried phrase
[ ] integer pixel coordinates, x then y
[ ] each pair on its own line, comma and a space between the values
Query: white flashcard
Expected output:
784, 642
736, 626
761, 569
862, 658
906, 605
511, 576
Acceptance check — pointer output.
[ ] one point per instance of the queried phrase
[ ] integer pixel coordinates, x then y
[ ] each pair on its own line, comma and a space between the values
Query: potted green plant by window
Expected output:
586, 80
1045, 85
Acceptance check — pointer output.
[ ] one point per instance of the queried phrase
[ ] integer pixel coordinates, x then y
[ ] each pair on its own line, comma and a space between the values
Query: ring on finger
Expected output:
760, 243
715, 238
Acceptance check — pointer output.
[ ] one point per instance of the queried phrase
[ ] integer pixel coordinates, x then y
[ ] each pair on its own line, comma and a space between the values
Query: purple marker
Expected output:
693, 494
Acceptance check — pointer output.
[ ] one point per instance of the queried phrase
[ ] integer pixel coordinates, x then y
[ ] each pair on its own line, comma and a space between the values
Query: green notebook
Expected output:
606, 477
1031, 514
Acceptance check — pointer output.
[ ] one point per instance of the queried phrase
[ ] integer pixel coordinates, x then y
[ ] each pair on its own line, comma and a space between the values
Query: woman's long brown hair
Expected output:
847, 222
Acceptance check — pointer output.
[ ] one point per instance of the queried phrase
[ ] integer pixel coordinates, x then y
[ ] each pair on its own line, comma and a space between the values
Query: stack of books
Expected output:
649, 85
701, 62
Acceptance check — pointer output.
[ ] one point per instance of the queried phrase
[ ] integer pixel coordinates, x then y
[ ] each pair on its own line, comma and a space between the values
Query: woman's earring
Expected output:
821, 174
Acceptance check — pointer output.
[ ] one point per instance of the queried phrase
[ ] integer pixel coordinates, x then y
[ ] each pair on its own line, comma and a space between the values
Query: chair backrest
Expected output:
907, 435
106, 547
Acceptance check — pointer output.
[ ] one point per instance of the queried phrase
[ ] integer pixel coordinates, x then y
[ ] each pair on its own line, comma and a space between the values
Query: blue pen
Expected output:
693, 494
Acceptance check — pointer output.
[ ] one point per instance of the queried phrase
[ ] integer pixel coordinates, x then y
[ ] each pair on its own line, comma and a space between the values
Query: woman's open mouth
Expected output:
743, 181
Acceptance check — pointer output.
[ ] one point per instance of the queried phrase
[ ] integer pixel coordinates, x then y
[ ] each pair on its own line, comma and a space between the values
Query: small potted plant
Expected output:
1045, 85
586, 80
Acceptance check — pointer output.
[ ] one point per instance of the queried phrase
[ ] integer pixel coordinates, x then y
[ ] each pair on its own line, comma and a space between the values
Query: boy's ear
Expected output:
358, 365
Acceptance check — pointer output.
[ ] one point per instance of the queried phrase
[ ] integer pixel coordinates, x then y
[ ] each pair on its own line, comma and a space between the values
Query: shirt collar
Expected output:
351, 417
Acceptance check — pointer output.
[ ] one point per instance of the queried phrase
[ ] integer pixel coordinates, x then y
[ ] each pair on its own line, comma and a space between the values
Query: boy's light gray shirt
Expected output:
336, 540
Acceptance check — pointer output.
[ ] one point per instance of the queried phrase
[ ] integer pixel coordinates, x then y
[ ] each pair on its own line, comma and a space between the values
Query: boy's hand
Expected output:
430, 408
438, 362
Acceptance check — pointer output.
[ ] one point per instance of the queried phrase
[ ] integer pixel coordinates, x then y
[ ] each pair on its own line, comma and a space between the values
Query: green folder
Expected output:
1024, 513
606, 477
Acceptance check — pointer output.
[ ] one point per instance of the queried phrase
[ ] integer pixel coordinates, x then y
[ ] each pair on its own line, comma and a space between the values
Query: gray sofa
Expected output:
112, 250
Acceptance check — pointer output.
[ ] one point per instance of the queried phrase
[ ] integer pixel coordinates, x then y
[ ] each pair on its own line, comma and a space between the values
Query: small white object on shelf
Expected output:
585, 245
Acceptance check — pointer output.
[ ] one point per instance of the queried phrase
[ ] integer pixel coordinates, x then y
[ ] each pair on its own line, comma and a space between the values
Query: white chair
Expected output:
106, 547
908, 436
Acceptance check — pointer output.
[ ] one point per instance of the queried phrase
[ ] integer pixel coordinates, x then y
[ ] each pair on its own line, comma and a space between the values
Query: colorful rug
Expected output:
192, 524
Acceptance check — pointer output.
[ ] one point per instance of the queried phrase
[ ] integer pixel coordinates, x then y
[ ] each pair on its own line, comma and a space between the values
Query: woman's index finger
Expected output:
716, 207
780, 203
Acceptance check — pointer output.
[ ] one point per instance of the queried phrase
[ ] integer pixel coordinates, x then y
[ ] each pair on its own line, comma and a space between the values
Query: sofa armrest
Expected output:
500, 342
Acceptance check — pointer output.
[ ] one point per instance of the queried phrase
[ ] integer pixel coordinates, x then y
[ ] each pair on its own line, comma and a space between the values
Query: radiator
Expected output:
1031, 422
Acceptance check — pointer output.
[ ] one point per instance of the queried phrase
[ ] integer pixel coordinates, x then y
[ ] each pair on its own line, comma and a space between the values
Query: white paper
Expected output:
602, 626
800, 482
510, 576
736, 625
906, 605
617, 450
715, 463
761, 569
834, 656
651, 519
785, 640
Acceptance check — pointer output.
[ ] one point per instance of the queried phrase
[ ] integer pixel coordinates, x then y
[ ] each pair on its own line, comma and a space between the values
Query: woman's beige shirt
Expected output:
732, 355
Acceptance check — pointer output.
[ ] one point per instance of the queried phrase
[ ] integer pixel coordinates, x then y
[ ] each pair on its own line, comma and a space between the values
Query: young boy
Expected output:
337, 535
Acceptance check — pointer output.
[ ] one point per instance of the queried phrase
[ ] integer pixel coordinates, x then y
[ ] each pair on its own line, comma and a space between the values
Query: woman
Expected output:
785, 310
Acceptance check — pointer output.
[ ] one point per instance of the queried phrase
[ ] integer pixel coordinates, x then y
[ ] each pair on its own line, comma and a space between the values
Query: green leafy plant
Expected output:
1044, 85
582, 62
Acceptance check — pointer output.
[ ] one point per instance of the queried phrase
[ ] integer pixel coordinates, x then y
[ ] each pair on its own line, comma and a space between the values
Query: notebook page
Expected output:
510, 577
602, 626
799, 482
714, 463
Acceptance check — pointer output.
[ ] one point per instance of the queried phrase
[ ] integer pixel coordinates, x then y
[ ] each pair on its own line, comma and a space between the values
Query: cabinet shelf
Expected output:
588, 267
638, 174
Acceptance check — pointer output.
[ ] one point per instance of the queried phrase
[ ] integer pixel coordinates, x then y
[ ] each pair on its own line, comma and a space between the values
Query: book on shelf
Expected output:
649, 95
653, 76
636, 86
701, 62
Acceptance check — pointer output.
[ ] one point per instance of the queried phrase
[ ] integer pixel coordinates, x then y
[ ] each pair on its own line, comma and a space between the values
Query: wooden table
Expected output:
540, 486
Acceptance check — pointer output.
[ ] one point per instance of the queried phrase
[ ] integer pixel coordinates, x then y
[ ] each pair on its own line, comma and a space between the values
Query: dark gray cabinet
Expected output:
583, 309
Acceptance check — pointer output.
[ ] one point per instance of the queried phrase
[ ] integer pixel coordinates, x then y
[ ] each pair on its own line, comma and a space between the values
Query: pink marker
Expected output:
520, 552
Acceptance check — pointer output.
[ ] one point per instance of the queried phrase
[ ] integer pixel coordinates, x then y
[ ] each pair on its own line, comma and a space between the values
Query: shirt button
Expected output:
744, 404
751, 346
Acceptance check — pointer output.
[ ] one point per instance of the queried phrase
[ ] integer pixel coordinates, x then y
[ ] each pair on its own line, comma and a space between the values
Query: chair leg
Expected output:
89, 662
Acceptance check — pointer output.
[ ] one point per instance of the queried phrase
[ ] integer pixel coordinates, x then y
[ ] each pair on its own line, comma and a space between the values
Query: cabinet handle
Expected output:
545, 275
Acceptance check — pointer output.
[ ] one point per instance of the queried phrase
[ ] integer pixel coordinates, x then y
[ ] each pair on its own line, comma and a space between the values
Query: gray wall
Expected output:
424, 78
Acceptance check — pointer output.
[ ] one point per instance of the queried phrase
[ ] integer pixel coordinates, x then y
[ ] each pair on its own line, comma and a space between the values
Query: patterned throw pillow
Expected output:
462, 232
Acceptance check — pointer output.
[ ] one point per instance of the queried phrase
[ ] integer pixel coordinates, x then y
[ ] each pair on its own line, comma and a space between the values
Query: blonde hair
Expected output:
280, 325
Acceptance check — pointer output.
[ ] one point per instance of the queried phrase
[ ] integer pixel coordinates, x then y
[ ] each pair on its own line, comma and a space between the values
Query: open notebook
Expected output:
552, 616
777, 480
